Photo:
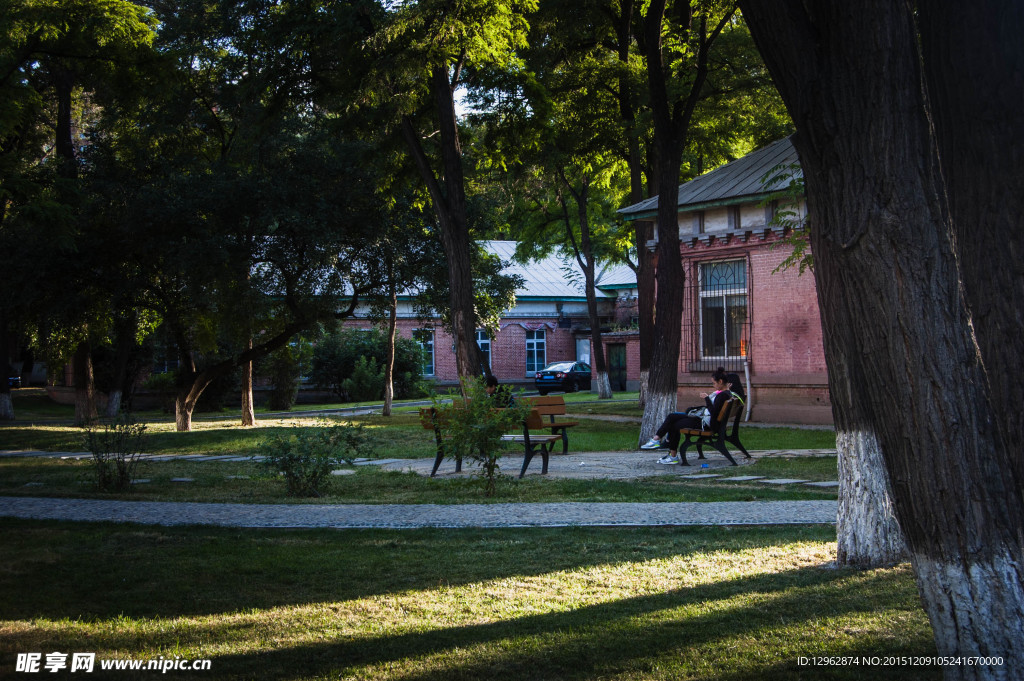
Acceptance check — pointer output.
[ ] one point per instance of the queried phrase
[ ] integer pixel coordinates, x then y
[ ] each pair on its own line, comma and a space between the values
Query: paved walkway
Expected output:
423, 515
608, 465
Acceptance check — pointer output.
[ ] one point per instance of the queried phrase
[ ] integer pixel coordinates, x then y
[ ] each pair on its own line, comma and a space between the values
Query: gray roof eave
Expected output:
690, 207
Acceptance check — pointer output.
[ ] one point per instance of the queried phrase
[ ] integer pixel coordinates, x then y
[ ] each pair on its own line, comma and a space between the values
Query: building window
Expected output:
425, 337
723, 309
484, 343
583, 350
536, 351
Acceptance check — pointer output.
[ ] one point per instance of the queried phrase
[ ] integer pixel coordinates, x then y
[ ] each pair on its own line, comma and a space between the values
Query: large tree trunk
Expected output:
450, 207
974, 68
85, 391
893, 308
867, 532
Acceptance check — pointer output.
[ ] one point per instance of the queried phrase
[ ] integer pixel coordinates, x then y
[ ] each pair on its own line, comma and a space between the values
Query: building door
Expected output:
617, 366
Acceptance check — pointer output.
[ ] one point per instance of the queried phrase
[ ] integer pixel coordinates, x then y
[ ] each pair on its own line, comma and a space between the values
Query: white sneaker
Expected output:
653, 443
669, 459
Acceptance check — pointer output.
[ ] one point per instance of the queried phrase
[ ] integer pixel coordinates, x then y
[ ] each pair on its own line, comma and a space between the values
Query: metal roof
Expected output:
735, 180
553, 277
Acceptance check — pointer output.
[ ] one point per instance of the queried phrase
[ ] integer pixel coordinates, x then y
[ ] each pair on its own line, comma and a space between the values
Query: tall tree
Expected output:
563, 132
441, 43
897, 305
678, 47
242, 202
56, 57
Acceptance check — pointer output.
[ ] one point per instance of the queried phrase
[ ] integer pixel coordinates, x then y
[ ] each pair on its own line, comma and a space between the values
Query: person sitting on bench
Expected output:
501, 395
703, 418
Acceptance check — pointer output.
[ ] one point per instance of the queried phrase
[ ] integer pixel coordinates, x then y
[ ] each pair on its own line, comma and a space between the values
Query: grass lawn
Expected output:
221, 482
679, 603
397, 436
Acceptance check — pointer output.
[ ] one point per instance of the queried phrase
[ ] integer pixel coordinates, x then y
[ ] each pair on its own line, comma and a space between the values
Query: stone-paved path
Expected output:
424, 515
608, 465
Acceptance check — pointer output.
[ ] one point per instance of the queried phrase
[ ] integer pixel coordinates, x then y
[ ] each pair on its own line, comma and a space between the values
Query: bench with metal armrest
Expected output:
731, 409
431, 419
553, 407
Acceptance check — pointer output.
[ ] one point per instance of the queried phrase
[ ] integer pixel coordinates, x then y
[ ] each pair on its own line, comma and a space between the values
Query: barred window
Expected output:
484, 343
723, 309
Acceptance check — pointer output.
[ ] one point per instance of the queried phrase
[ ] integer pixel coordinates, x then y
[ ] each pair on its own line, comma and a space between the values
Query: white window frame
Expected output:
425, 337
538, 347
720, 293
483, 341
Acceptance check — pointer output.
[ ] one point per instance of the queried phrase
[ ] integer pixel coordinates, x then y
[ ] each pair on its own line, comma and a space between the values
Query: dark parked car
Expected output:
567, 376
13, 379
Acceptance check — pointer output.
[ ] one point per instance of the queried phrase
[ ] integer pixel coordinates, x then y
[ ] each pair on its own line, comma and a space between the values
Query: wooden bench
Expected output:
732, 408
532, 442
430, 419
732, 437
553, 406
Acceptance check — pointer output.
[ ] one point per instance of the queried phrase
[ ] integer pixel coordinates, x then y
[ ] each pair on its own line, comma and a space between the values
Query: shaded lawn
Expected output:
680, 603
398, 436
216, 481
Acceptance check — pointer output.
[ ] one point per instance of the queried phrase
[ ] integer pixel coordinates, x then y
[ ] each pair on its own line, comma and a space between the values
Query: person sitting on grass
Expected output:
703, 418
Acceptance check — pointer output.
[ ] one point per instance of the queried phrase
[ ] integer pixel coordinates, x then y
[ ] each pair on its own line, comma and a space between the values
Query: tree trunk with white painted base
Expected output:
658, 406
6, 406
893, 306
868, 533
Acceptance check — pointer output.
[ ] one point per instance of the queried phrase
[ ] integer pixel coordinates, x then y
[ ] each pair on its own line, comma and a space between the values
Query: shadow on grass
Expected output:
60, 570
667, 635
722, 630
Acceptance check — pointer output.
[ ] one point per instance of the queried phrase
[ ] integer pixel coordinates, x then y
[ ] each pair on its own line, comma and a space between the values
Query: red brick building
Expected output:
549, 322
740, 311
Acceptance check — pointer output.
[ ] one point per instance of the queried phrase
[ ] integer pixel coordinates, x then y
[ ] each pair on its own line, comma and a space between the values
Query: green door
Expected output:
617, 366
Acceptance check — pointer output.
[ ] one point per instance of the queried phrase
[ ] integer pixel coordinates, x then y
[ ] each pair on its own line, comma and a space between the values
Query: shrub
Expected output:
472, 428
307, 456
366, 383
336, 355
115, 453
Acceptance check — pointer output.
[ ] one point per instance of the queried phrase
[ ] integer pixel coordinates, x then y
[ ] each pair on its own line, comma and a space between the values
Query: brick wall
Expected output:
788, 377
508, 347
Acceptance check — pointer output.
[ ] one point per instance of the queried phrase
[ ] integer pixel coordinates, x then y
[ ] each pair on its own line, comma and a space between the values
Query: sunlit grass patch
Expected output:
506, 604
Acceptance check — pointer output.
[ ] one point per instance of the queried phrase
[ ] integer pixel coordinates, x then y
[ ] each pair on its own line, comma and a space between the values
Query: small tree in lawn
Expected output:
472, 428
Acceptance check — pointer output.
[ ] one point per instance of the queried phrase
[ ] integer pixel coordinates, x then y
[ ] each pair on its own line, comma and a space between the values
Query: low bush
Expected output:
472, 428
115, 449
366, 382
307, 456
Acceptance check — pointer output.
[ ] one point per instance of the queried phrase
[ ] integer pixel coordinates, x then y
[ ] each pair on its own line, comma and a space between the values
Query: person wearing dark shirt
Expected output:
501, 395
703, 418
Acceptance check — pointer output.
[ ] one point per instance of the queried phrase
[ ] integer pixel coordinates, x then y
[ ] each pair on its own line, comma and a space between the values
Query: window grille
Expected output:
484, 343
717, 316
